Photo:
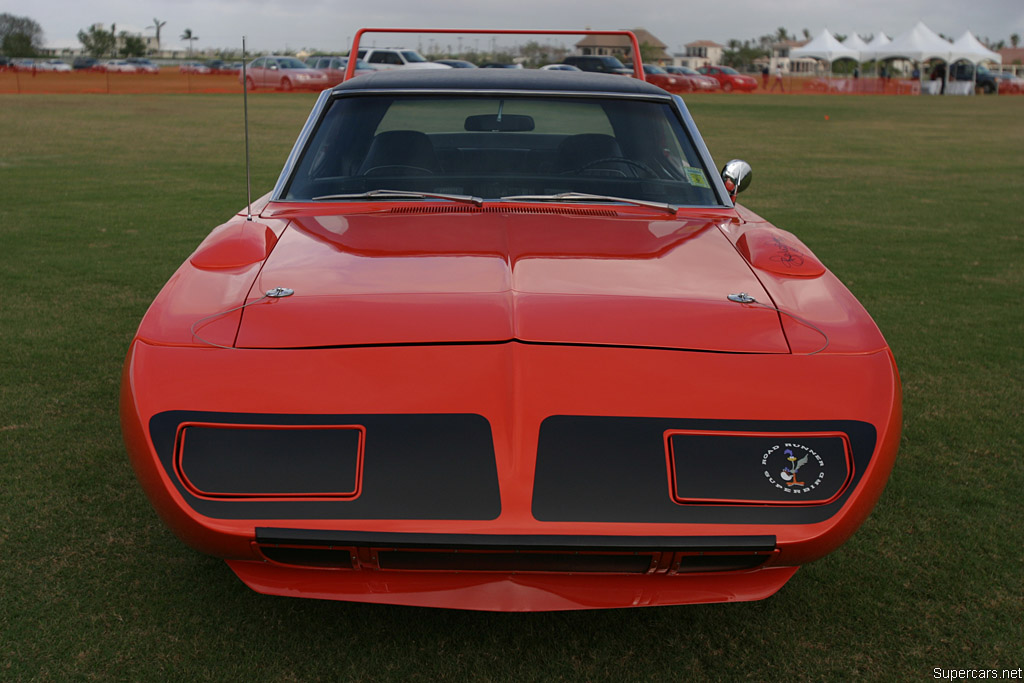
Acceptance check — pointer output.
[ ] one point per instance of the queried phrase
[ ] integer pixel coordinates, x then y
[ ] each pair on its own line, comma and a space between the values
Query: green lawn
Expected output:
915, 203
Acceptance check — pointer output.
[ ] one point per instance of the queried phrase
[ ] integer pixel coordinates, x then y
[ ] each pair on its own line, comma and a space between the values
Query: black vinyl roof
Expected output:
499, 79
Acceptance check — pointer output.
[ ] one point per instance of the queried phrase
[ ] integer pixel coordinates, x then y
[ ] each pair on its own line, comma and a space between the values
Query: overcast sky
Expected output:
275, 25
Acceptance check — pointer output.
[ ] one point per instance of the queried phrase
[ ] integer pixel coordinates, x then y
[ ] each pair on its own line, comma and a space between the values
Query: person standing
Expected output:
764, 76
778, 79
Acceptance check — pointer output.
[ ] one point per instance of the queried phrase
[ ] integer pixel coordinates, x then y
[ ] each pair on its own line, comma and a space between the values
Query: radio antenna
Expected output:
245, 107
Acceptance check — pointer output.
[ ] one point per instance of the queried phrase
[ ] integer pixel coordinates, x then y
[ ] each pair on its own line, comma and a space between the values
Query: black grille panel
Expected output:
513, 562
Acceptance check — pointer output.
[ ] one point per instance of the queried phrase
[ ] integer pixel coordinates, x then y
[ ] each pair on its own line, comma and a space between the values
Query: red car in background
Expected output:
283, 73
334, 67
696, 81
729, 78
664, 80
1008, 83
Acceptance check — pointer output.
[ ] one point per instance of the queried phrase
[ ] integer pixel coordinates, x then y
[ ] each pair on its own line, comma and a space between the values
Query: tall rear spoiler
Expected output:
638, 67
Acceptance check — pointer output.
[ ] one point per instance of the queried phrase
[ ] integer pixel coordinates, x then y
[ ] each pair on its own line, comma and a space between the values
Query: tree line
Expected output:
23, 37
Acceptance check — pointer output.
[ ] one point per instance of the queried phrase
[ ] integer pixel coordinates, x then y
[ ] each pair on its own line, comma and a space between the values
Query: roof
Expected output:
1012, 55
704, 43
642, 36
499, 79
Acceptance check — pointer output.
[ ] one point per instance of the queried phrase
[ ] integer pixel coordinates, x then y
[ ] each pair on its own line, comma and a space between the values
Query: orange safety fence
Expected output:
168, 81
171, 81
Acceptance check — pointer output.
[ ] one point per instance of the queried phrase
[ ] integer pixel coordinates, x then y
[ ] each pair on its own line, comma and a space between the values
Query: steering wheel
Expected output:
388, 168
616, 160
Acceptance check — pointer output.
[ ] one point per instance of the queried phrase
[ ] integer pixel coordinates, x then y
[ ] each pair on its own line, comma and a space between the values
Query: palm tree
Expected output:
157, 24
187, 35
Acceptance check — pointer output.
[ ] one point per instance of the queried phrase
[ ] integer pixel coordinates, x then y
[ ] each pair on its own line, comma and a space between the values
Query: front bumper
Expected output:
609, 484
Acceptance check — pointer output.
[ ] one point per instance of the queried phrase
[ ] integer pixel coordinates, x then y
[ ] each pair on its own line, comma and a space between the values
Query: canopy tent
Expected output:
824, 46
855, 42
919, 44
969, 48
878, 41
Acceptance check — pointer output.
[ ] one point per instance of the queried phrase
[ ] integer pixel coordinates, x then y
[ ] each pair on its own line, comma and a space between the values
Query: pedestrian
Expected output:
764, 76
778, 80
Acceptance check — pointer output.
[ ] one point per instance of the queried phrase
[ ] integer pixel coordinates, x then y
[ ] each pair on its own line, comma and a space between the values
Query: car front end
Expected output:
453, 369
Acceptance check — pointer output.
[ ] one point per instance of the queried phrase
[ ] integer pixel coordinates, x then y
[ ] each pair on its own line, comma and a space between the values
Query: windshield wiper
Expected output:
583, 196
403, 194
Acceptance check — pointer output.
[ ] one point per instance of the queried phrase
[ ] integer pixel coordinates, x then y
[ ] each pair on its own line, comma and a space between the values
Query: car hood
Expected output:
407, 275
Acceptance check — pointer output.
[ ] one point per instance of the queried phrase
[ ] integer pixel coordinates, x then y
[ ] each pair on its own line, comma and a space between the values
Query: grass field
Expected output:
915, 203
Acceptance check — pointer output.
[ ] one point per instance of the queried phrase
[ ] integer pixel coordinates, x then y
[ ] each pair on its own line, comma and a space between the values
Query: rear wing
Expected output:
638, 67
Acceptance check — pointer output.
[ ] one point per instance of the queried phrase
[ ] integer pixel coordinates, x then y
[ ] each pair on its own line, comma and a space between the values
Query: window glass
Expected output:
492, 147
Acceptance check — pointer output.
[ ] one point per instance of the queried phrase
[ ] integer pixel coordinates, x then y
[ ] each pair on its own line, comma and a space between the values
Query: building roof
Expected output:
642, 36
1012, 55
704, 43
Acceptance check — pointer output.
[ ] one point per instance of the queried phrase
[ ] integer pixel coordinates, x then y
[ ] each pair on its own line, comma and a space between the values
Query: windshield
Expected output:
493, 147
651, 69
729, 70
412, 56
290, 63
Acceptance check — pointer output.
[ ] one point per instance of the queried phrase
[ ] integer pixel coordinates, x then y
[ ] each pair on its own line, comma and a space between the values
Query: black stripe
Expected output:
614, 469
416, 466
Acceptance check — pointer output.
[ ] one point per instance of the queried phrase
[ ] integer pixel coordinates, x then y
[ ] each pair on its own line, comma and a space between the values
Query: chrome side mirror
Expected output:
736, 176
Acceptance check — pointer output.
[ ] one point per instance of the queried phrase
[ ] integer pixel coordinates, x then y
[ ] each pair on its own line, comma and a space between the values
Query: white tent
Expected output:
919, 43
969, 48
878, 41
824, 46
855, 42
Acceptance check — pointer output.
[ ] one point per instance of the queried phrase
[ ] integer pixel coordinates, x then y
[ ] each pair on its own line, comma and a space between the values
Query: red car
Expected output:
729, 78
696, 82
282, 73
334, 68
658, 76
502, 340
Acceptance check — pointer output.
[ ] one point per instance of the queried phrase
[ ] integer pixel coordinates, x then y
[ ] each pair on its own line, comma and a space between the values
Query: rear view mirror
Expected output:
498, 123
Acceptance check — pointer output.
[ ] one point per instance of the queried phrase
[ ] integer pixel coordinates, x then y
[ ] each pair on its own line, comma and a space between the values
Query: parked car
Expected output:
397, 58
219, 66
729, 78
143, 65
24, 64
697, 81
118, 66
985, 81
82, 63
656, 75
52, 65
1008, 84
598, 64
283, 73
5, 63
334, 68
456, 63
194, 68
503, 340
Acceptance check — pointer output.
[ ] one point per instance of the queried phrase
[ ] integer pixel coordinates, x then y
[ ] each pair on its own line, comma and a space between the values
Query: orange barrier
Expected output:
172, 81
169, 80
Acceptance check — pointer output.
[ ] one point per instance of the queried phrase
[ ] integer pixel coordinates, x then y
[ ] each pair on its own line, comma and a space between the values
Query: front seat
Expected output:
576, 151
400, 152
